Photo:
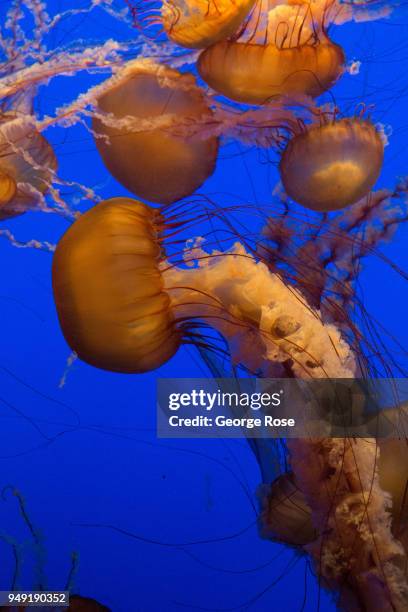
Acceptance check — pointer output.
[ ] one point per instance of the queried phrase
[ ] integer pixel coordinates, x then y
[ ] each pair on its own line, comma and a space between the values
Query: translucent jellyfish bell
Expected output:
391, 425
148, 157
329, 167
108, 289
285, 515
200, 23
393, 473
284, 50
27, 165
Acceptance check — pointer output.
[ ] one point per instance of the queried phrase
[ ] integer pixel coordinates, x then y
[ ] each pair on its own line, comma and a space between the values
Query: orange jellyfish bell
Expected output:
284, 50
198, 24
331, 166
108, 289
149, 158
27, 165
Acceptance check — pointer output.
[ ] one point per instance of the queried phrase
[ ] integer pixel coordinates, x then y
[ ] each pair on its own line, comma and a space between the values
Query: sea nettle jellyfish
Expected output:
330, 166
27, 166
326, 163
200, 23
285, 516
123, 307
133, 126
342, 500
283, 49
391, 425
349, 511
108, 288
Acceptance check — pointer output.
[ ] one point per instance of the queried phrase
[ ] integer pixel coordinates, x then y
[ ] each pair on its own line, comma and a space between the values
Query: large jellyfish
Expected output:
109, 290
130, 314
283, 50
154, 163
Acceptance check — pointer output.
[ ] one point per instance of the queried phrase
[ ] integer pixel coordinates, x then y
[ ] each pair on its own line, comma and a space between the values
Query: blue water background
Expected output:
87, 454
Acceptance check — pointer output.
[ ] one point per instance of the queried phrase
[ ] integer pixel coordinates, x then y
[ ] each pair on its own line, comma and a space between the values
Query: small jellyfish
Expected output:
285, 516
198, 24
283, 50
27, 165
392, 423
147, 157
332, 166
393, 474
108, 288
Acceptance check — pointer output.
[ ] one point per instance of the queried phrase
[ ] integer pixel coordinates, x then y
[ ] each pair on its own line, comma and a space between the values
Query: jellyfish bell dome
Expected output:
198, 24
285, 515
108, 288
283, 51
332, 166
256, 74
27, 165
148, 157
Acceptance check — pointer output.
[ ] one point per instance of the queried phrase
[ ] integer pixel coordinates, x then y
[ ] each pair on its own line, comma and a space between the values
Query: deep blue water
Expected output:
86, 459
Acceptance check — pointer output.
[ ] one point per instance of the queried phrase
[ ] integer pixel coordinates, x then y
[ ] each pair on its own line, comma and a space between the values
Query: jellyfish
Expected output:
353, 490
392, 468
123, 307
340, 500
346, 508
390, 427
332, 166
285, 516
133, 127
27, 165
284, 49
108, 288
200, 23
285, 513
